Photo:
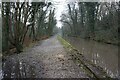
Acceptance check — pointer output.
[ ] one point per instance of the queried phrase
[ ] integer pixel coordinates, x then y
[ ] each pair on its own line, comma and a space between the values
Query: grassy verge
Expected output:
79, 59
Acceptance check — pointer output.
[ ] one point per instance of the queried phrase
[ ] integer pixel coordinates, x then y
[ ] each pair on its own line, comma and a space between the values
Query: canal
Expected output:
101, 54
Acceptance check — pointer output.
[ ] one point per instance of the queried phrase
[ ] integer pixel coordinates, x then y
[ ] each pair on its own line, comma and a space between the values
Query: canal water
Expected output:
101, 54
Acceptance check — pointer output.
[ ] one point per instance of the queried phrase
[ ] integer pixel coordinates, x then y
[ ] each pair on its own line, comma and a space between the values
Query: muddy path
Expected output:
47, 59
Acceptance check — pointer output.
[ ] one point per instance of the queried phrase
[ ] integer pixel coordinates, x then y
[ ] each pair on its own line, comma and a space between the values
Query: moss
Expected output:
78, 58
65, 43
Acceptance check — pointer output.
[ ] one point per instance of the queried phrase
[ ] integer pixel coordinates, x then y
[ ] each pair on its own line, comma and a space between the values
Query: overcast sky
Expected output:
60, 6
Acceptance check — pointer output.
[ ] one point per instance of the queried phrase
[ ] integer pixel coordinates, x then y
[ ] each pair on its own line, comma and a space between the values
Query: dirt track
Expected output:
47, 59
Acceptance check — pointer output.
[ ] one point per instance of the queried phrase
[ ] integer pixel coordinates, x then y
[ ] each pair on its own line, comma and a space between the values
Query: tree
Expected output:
93, 20
21, 19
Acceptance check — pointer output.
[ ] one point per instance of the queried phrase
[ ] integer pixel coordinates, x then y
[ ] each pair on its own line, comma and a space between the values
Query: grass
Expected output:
79, 59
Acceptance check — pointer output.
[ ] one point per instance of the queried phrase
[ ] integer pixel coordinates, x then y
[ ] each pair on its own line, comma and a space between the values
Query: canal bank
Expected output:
101, 54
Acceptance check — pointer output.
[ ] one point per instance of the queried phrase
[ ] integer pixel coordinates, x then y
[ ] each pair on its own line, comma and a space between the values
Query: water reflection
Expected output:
17, 69
103, 55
